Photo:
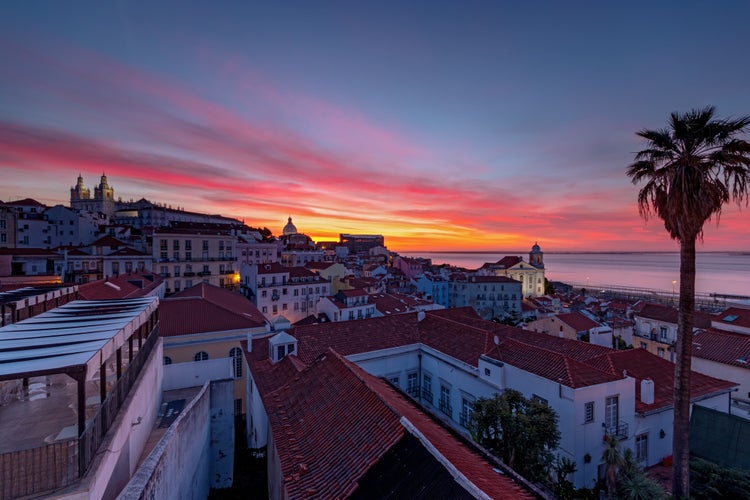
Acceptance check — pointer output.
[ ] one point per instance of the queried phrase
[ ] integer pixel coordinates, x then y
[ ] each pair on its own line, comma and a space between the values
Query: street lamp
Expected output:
674, 282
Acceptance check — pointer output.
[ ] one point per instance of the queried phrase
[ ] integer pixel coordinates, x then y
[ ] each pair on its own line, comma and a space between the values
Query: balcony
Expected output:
204, 273
165, 275
188, 274
275, 296
618, 431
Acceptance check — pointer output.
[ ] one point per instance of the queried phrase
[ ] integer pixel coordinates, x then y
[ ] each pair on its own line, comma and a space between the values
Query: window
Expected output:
412, 384
167, 360
467, 408
540, 399
175, 244
643, 345
284, 307
611, 413
263, 293
205, 245
236, 355
589, 412
445, 400
660, 351
663, 333
265, 309
238, 407
201, 356
188, 245
275, 309
427, 387
395, 379
641, 447
280, 351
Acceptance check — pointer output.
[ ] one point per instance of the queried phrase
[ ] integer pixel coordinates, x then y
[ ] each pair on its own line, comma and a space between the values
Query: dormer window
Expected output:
280, 346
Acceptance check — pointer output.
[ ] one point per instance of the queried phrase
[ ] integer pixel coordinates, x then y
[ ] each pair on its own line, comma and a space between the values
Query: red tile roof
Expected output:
550, 365
659, 312
207, 308
723, 347
507, 262
26, 202
578, 321
319, 265
641, 364
325, 448
354, 337
107, 241
742, 320
124, 286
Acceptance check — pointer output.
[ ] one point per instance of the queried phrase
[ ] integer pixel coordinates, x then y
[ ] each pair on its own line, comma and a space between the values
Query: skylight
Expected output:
730, 318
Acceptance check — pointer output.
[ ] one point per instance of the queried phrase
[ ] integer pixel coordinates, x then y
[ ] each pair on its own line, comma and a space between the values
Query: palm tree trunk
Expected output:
684, 347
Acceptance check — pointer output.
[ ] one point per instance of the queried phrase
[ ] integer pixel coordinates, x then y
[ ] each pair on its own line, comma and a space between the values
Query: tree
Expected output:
521, 432
612, 459
690, 169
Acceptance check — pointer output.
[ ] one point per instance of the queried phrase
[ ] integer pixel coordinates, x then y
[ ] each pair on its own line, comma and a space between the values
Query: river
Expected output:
717, 272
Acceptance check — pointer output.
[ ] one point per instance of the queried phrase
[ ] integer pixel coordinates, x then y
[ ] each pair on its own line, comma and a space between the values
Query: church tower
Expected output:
536, 256
80, 196
104, 197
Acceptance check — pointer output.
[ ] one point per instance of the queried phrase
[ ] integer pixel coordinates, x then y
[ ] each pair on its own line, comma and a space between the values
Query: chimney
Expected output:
420, 315
249, 342
647, 391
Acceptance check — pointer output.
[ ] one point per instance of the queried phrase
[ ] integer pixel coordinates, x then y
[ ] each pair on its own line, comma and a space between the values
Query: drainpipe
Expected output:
419, 378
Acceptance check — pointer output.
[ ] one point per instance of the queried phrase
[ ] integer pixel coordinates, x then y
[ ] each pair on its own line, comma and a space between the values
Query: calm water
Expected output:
727, 273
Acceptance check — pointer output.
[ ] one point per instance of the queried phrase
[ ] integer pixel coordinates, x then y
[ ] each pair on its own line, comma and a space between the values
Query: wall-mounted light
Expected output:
662, 434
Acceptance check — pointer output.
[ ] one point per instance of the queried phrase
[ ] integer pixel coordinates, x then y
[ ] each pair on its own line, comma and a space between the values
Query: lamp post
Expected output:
674, 282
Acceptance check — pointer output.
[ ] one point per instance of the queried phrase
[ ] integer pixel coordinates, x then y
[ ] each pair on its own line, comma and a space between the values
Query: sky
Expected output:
479, 125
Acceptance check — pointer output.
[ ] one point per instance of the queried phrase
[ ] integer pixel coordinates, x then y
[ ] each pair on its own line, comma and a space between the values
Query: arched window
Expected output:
236, 355
167, 360
201, 356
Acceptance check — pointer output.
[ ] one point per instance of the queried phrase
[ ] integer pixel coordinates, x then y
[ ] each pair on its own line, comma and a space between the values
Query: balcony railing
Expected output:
618, 431
199, 259
204, 273
188, 273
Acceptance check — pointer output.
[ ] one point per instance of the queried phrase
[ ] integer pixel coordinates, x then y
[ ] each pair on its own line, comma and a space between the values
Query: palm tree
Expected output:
612, 458
691, 169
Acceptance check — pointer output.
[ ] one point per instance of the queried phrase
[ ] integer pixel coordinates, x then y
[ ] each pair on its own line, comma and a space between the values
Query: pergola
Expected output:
75, 339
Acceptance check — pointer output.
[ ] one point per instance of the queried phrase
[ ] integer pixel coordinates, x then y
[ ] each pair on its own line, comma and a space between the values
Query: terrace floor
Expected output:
47, 411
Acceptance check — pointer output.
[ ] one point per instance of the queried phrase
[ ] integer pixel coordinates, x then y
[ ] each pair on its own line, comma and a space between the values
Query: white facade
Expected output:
280, 291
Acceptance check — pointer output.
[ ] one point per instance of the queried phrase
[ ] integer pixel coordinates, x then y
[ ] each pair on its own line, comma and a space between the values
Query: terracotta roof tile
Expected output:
742, 317
641, 364
723, 347
207, 308
326, 448
579, 322
124, 286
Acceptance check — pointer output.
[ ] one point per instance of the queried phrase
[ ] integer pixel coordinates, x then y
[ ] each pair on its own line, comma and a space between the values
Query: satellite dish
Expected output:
497, 340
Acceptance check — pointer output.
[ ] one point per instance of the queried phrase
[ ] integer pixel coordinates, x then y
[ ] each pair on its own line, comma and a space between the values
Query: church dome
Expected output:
289, 228
536, 248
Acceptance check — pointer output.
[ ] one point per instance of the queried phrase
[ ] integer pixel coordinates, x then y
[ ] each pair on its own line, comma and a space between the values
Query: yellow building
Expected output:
205, 324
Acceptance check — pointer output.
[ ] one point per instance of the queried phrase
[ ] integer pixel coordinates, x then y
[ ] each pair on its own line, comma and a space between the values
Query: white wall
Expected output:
726, 372
118, 455
196, 373
178, 466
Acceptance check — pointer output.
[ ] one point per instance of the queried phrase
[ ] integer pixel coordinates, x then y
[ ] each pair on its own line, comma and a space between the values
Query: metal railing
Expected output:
618, 431
93, 435
38, 470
